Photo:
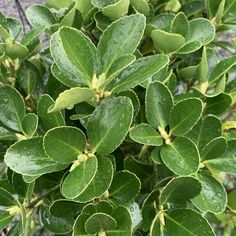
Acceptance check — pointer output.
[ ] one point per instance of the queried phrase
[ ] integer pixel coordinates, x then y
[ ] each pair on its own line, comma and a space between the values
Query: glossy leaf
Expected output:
212, 197
120, 38
100, 183
48, 120
145, 134
74, 54
173, 191
159, 102
27, 157
64, 144
176, 223
30, 124
184, 115
12, 107
85, 173
167, 42
181, 156
99, 222
125, 186
114, 115
139, 71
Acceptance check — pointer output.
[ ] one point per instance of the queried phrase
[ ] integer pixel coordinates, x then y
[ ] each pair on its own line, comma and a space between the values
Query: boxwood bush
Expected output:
117, 118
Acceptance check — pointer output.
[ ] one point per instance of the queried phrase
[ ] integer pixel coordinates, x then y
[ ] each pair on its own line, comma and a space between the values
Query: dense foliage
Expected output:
117, 118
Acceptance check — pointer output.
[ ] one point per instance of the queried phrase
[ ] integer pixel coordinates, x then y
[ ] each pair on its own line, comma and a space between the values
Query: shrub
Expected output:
117, 118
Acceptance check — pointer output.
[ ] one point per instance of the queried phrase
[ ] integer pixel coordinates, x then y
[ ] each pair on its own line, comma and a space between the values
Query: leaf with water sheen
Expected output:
181, 156
146, 134
63, 144
113, 116
212, 197
184, 115
27, 157
173, 191
120, 38
85, 173
186, 222
159, 102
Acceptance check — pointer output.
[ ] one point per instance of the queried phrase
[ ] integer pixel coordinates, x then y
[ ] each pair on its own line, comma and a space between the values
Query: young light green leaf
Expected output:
125, 186
197, 225
226, 162
30, 124
214, 149
173, 191
5, 219
203, 67
12, 107
15, 49
167, 42
120, 38
113, 116
139, 71
100, 183
27, 157
100, 222
40, 16
145, 134
201, 30
74, 54
64, 144
184, 115
141, 6
212, 197
181, 156
159, 102
49, 120
71, 97
71, 188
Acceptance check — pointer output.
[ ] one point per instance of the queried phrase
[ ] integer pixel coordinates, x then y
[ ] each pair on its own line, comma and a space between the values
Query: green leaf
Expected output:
12, 107
5, 219
6, 198
201, 30
71, 97
79, 225
156, 156
15, 49
125, 186
218, 104
159, 102
226, 162
214, 149
64, 144
49, 120
173, 191
30, 124
167, 42
101, 206
102, 22
155, 228
40, 16
205, 131
190, 47
203, 67
74, 54
116, 10
120, 38
221, 68
58, 4
180, 24
27, 157
231, 200
64, 208
212, 197
100, 183
183, 117
69, 17
5, 134
141, 6
181, 156
71, 188
139, 71
145, 134
212, 7
176, 223
149, 210
113, 116
99, 222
